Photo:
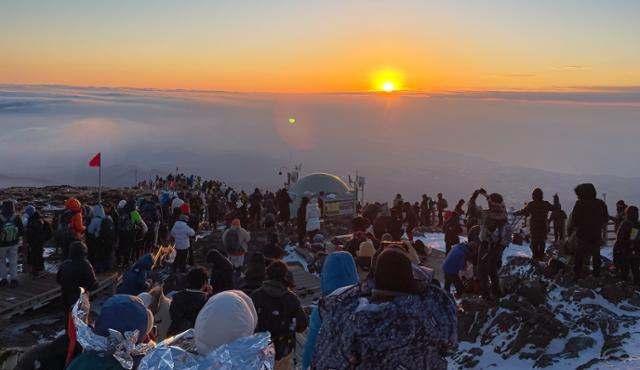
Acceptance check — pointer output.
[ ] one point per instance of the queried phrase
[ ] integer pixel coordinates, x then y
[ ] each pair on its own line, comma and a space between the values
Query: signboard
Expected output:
338, 208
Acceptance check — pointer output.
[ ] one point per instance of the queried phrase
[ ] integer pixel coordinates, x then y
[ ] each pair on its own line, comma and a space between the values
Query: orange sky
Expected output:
308, 47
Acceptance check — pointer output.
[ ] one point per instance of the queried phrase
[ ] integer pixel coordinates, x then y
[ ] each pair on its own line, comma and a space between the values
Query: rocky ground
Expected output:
549, 318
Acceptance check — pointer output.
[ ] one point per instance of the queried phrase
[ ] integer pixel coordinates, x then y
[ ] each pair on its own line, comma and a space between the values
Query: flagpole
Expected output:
100, 181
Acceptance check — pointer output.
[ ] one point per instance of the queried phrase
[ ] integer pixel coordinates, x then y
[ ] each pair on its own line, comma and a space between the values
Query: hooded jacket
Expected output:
181, 233
74, 273
313, 215
226, 317
277, 308
338, 271
97, 216
134, 280
76, 225
589, 215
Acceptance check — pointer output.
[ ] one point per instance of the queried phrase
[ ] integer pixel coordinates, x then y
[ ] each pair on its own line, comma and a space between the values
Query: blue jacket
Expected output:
339, 270
135, 278
456, 259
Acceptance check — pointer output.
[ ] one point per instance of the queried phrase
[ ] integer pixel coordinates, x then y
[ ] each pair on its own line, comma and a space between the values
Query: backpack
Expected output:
232, 241
125, 223
275, 319
64, 221
149, 213
409, 332
107, 231
10, 233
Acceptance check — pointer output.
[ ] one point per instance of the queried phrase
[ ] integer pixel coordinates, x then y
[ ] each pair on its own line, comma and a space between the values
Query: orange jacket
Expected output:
76, 223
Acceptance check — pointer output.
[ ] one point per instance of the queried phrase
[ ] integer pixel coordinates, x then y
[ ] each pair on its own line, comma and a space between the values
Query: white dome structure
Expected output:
335, 190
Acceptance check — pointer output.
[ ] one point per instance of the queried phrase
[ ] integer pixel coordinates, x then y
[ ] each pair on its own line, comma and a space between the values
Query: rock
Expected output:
472, 316
635, 299
531, 355
544, 361
589, 282
504, 322
612, 344
615, 293
582, 293
533, 292
476, 351
509, 283
575, 345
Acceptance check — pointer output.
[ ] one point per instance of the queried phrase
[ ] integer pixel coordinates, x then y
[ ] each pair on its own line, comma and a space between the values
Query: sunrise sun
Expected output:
387, 80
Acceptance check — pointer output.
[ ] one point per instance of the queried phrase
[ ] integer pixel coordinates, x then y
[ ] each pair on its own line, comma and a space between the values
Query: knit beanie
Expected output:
123, 313
394, 272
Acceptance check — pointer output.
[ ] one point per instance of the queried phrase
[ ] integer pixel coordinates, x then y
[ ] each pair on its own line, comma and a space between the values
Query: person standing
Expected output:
588, 219
441, 205
284, 202
11, 229
537, 210
559, 220
236, 242
181, 233
625, 250
302, 221
280, 313
74, 273
37, 232
312, 218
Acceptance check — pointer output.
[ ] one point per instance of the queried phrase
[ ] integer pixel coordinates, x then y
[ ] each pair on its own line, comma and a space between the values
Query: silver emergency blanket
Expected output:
122, 347
253, 352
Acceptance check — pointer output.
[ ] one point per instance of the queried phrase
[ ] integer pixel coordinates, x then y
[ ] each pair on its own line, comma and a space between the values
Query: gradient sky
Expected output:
330, 45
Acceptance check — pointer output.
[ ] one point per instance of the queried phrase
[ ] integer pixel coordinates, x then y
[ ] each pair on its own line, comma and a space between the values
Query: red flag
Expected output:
95, 161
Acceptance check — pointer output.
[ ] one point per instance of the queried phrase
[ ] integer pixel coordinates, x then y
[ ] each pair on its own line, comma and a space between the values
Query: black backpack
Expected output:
232, 240
125, 223
273, 316
107, 231
63, 233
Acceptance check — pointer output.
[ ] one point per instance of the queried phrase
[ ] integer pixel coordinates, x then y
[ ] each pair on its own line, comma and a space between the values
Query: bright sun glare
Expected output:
387, 80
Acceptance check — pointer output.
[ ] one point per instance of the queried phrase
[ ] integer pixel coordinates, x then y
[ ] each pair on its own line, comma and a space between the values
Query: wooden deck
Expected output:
32, 294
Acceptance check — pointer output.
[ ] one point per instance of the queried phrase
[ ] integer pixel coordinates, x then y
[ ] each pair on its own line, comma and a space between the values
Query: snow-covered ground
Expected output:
293, 257
436, 241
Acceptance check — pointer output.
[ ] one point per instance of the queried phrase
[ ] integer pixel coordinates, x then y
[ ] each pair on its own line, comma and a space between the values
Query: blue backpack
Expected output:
408, 332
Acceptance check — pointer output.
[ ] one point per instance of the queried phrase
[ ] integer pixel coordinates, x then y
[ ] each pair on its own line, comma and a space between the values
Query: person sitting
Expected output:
221, 272
365, 254
338, 270
186, 304
122, 313
255, 273
159, 305
135, 279
226, 317
396, 317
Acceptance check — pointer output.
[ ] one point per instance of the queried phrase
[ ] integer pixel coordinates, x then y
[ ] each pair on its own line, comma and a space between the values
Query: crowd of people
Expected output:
376, 285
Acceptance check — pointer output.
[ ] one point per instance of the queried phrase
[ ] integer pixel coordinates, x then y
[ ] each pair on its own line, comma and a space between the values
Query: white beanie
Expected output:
225, 317
121, 204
